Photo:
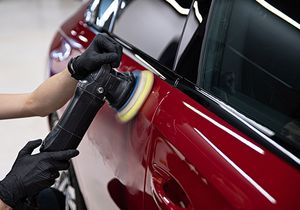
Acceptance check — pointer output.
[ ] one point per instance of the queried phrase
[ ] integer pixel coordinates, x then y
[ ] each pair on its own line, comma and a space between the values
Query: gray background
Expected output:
26, 30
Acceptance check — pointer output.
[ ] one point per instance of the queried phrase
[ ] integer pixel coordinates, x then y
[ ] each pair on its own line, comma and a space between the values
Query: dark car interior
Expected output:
254, 67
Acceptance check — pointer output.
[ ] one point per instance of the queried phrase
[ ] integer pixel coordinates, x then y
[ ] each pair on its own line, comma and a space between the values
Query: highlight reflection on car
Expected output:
221, 127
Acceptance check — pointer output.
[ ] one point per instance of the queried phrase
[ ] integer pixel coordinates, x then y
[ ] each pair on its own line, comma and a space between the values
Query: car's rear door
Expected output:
222, 139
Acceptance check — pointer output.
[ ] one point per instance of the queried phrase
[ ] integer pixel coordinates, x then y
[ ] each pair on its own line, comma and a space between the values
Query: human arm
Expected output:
48, 97
4, 206
58, 89
32, 173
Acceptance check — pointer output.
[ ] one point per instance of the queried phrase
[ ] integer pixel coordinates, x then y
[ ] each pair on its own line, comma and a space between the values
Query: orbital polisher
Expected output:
125, 92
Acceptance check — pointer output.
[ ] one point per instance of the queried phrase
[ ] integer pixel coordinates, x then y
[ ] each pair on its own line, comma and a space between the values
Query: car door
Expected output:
223, 139
111, 169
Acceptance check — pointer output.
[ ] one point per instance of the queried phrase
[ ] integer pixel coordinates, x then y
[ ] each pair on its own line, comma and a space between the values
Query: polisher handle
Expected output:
75, 121
69, 131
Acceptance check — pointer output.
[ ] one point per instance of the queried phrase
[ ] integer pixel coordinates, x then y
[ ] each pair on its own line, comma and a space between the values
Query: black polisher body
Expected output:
90, 95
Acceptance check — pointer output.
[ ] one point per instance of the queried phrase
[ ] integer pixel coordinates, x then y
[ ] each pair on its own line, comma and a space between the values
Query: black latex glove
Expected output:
32, 173
102, 50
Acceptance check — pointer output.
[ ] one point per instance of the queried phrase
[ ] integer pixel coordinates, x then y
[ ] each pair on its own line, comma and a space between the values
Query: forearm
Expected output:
51, 94
3, 206
57, 90
48, 97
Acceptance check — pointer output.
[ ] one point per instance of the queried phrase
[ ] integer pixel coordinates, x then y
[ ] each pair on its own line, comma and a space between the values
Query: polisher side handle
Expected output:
78, 116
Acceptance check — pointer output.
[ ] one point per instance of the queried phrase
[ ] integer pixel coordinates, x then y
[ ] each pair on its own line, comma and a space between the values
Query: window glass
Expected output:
91, 13
154, 27
101, 13
190, 46
251, 62
106, 11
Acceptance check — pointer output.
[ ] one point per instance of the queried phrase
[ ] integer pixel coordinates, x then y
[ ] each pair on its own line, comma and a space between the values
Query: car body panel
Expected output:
217, 166
176, 153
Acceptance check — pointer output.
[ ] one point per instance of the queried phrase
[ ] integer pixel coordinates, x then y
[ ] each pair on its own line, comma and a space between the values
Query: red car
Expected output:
220, 129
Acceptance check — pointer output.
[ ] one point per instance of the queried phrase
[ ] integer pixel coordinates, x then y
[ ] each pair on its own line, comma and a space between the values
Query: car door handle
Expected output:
168, 194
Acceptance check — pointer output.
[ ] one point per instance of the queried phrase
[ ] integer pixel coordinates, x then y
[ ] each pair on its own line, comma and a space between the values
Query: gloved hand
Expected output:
102, 50
32, 173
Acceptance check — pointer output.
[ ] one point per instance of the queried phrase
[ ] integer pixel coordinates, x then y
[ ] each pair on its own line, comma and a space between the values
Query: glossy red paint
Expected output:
174, 155
124, 149
76, 29
216, 166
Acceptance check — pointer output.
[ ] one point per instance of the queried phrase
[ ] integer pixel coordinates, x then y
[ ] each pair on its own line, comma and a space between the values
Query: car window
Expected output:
107, 11
190, 46
101, 13
153, 27
250, 61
